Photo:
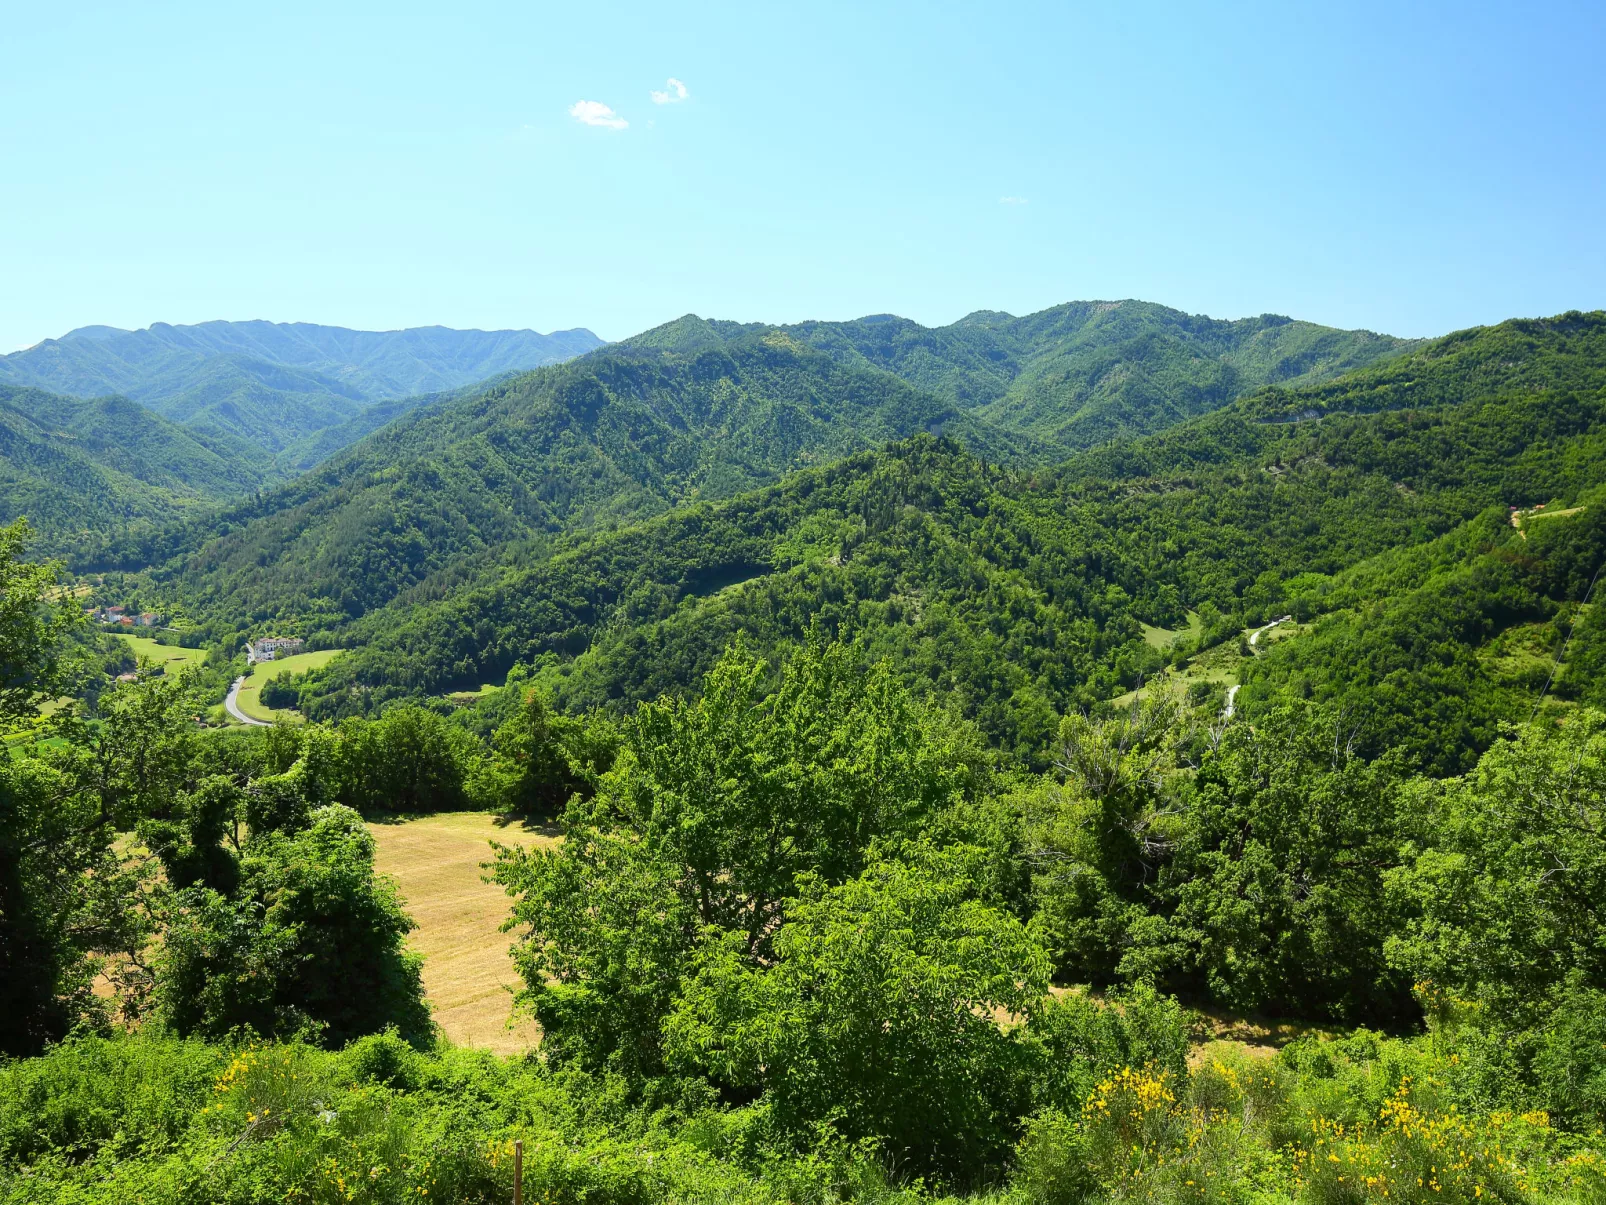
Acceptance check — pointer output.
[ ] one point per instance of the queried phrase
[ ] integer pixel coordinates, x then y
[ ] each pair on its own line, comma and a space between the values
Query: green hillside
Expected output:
1019, 593
704, 409
604, 440
273, 384
99, 480
1090, 371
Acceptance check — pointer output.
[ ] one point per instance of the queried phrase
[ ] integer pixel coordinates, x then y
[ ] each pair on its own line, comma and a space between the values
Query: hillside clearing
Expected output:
1163, 638
168, 656
467, 972
1221, 665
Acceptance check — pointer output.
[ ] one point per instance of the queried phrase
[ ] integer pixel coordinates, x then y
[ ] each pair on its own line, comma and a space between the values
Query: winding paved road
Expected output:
1254, 637
233, 705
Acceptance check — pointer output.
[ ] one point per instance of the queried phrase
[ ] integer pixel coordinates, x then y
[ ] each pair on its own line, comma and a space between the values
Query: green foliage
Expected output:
60, 903
540, 759
101, 479
701, 830
34, 625
280, 692
1273, 890
1086, 372
879, 1016
408, 760
1508, 888
307, 941
1077, 1039
93, 1092
63, 889
1095, 845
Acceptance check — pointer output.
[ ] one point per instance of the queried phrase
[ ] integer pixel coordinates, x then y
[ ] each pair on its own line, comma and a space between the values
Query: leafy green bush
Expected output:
308, 941
881, 1017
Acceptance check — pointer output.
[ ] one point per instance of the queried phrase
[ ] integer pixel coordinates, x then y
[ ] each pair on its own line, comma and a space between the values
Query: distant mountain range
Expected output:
700, 410
275, 384
1079, 373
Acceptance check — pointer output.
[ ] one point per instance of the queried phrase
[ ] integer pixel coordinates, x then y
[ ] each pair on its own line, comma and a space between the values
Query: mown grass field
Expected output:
250, 700
166, 655
467, 972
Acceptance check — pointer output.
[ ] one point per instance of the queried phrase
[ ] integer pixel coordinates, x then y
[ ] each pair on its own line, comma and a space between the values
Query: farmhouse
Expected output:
271, 647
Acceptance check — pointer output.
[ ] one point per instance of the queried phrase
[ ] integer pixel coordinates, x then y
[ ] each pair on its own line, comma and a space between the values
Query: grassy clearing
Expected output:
1522, 518
1220, 665
1161, 638
436, 860
250, 700
169, 656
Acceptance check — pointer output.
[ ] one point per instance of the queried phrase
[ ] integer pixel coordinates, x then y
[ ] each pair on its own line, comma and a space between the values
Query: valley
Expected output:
561, 711
1019, 713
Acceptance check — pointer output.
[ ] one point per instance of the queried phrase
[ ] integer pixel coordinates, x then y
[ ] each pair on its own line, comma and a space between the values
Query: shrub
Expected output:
310, 941
1077, 1039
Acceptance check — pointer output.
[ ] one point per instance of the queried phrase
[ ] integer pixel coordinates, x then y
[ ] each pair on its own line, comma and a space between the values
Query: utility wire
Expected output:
1567, 644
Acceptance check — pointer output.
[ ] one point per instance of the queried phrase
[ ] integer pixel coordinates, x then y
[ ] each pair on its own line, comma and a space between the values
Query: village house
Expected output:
270, 648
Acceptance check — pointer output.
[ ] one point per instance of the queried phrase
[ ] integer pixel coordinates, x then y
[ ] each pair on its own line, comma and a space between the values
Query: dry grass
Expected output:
467, 971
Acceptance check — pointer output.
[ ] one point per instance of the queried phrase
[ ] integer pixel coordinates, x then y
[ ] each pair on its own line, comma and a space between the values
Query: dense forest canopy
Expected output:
701, 409
1019, 593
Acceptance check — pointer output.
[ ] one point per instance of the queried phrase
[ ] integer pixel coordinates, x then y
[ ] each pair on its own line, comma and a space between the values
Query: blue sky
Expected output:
1412, 168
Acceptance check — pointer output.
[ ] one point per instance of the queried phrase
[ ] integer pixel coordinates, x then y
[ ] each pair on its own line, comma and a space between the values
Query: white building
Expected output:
271, 647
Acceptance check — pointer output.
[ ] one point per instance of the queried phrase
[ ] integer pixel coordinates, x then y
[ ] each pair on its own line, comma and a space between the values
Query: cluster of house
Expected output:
270, 647
119, 617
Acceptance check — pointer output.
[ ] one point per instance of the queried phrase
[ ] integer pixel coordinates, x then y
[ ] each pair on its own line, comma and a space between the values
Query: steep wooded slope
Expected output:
1020, 593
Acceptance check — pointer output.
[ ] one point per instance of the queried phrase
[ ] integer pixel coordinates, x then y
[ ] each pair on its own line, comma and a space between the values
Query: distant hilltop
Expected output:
271, 384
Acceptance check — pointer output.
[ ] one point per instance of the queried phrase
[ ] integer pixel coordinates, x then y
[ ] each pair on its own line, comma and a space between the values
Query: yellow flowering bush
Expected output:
262, 1088
1413, 1155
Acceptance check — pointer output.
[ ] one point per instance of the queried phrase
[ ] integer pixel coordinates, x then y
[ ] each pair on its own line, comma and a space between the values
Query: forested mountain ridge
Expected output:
1020, 593
703, 408
1079, 373
273, 383
98, 479
605, 439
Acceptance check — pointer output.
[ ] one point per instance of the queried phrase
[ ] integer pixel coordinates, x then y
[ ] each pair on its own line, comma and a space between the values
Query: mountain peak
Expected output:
96, 334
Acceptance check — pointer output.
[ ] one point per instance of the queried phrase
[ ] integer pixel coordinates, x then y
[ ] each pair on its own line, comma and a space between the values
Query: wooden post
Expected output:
518, 1171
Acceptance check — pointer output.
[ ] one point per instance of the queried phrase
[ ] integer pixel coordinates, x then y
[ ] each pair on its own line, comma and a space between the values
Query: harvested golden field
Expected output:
467, 972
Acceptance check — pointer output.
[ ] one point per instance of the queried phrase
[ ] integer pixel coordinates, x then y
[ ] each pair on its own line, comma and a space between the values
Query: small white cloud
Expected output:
1013, 201
673, 95
595, 113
